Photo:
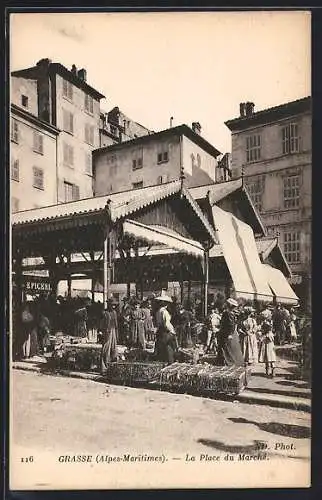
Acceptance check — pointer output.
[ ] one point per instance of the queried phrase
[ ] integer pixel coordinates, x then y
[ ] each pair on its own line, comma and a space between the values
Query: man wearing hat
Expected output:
166, 342
229, 350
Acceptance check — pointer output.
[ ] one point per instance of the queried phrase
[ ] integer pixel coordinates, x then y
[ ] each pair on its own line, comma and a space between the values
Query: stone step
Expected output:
269, 399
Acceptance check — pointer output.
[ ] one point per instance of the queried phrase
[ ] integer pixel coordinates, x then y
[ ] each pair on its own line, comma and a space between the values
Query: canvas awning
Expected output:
163, 235
240, 252
280, 286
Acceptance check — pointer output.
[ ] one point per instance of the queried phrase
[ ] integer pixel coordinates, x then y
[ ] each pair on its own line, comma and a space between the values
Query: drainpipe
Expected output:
57, 176
182, 174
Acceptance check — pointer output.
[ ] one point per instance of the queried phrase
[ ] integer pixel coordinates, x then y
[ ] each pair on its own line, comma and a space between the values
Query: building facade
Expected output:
33, 161
62, 98
155, 159
116, 127
272, 150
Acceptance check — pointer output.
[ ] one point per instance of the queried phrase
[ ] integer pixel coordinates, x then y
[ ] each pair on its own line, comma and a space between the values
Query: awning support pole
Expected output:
69, 286
206, 282
105, 271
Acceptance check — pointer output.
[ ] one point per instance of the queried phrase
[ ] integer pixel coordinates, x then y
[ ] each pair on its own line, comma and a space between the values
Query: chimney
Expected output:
249, 108
242, 109
82, 75
196, 127
171, 121
74, 70
44, 62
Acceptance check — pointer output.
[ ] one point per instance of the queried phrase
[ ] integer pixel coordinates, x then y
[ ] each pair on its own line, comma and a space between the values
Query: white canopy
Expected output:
280, 286
240, 252
163, 235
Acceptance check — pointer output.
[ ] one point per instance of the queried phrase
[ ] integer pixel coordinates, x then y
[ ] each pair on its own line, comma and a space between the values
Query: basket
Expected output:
131, 373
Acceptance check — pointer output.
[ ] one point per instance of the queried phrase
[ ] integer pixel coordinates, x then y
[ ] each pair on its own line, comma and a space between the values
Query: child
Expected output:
267, 348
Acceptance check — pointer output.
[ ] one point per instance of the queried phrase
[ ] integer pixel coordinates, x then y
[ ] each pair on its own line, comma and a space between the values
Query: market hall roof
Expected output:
217, 192
117, 206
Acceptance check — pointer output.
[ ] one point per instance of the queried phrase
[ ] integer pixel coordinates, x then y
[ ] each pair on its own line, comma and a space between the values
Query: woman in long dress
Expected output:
148, 320
267, 348
229, 350
28, 324
166, 342
137, 318
248, 338
212, 324
109, 329
81, 318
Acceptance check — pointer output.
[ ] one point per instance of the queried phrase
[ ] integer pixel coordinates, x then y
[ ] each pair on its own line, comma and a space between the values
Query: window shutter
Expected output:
75, 192
41, 143
71, 122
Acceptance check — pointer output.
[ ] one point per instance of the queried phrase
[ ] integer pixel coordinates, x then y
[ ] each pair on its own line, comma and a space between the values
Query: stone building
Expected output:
272, 149
153, 159
116, 127
33, 161
63, 99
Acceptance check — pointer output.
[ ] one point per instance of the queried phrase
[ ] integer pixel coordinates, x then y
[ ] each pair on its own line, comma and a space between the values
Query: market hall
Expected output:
150, 237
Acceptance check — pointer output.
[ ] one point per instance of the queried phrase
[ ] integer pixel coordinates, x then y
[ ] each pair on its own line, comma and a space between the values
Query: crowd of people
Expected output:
232, 333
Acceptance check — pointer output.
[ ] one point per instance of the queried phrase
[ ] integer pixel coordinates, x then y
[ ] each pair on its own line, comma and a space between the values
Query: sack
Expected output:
26, 317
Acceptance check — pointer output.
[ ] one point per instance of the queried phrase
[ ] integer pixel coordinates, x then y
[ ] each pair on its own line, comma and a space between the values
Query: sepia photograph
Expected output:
160, 250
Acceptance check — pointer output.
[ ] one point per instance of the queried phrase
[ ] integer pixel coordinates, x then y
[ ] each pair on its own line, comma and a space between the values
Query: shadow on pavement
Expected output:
296, 394
288, 430
218, 445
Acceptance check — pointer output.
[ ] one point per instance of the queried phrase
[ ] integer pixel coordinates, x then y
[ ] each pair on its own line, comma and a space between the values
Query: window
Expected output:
255, 188
290, 139
15, 205
89, 104
137, 159
160, 179
137, 185
68, 121
68, 154
88, 163
253, 148
163, 153
89, 134
71, 192
291, 191
68, 90
292, 246
38, 178
15, 170
24, 101
38, 143
14, 131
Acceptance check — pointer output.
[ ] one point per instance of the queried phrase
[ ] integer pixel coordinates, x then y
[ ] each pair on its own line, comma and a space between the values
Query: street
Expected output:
55, 413
58, 417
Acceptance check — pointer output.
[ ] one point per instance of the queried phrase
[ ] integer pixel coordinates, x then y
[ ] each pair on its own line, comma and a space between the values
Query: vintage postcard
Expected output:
160, 260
